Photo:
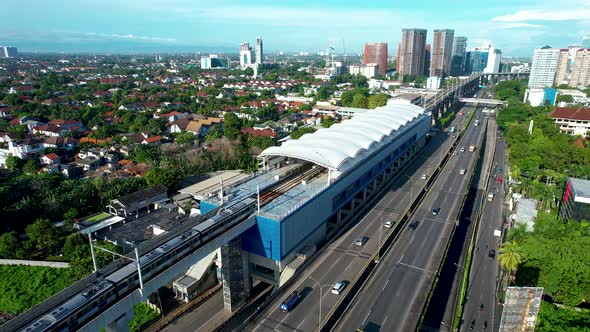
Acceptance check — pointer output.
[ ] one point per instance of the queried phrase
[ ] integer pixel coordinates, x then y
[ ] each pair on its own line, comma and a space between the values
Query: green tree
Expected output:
185, 138
377, 100
9, 244
231, 125
565, 98
297, 133
31, 166
327, 122
360, 101
13, 163
346, 98
166, 176
510, 256
42, 233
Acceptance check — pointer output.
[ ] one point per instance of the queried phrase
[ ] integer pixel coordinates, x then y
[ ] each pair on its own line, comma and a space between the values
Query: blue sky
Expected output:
515, 26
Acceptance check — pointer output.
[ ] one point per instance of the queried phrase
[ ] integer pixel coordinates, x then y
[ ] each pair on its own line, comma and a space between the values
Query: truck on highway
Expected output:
290, 302
471, 148
490, 197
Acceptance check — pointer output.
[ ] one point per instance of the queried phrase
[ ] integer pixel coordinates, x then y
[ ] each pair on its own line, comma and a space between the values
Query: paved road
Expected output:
343, 260
393, 298
484, 270
202, 318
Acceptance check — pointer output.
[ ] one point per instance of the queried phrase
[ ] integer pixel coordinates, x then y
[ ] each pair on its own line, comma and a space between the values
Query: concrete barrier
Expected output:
57, 265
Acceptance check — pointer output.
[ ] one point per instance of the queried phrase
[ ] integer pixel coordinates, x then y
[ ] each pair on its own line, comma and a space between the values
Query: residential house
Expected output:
50, 130
201, 127
89, 163
268, 132
152, 141
50, 158
68, 143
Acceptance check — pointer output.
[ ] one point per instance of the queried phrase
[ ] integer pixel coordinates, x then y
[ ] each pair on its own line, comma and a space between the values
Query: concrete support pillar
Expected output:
232, 274
121, 324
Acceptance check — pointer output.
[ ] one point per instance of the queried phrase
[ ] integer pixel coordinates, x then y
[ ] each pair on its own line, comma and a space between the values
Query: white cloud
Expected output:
517, 25
545, 15
125, 36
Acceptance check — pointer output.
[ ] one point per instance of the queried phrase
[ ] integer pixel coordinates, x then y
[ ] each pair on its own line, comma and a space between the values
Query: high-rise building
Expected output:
399, 47
581, 70
476, 60
562, 67
442, 50
493, 63
571, 53
8, 52
544, 67
259, 52
458, 58
245, 55
427, 60
412, 52
213, 61
376, 53
586, 42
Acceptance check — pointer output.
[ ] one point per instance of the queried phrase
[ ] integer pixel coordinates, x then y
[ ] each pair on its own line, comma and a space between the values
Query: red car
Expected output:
499, 179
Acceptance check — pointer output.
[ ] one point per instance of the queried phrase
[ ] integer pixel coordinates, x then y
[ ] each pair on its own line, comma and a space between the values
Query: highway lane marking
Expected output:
387, 282
367, 316
417, 268
298, 326
349, 264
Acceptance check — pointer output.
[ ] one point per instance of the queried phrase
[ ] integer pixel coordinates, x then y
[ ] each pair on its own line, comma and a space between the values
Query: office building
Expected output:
576, 200
586, 42
571, 54
442, 50
458, 58
544, 67
8, 52
245, 55
572, 120
427, 60
369, 70
580, 75
494, 57
213, 61
412, 52
433, 83
476, 60
259, 51
376, 53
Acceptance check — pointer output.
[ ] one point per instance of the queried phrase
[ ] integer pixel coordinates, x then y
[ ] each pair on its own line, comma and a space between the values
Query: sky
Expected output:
138, 26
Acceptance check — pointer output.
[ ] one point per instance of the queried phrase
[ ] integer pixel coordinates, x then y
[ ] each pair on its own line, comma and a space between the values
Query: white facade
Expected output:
433, 83
534, 96
494, 57
259, 51
544, 67
245, 55
581, 71
369, 70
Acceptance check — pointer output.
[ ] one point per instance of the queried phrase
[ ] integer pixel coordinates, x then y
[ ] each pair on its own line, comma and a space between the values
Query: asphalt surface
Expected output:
206, 314
484, 270
343, 260
392, 300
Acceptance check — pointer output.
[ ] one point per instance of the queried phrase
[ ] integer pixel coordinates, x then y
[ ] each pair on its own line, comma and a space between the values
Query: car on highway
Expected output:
462, 149
289, 302
500, 170
472, 324
435, 211
461, 171
414, 224
492, 253
361, 240
455, 153
424, 177
338, 287
499, 179
389, 224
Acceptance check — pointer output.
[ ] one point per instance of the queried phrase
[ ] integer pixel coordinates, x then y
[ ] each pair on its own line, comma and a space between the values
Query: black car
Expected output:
414, 224
472, 324
435, 211
492, 253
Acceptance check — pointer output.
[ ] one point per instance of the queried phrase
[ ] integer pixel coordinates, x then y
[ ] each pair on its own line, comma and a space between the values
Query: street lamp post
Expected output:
320, 286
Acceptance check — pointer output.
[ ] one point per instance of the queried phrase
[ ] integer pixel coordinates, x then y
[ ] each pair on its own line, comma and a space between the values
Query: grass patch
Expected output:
97, 218
23, 287
143, 314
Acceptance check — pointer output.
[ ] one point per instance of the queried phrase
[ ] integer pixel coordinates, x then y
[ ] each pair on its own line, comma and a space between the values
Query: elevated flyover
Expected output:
483, 102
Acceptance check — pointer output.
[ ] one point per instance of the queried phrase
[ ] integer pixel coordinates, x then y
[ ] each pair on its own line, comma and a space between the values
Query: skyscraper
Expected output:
458, 58
581, 70
544, 67
8, 52
412, 52
562, 67
245, 55
493, 63
427, 49
476, 60
376, 53
442, 50
586, 42
259, 54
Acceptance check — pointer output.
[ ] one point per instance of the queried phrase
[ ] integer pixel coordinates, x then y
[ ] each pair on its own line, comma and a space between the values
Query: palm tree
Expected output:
510, 256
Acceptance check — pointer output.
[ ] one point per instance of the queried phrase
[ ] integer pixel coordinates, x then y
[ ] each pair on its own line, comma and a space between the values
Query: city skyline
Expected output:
183, 26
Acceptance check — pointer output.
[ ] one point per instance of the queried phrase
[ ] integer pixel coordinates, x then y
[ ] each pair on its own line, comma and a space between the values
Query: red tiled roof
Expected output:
153, 139
52, 156
264, 132
571, 113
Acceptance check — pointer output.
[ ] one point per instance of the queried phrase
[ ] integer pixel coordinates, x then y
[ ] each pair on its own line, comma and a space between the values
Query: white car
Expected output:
423, 177
388, 224
462, 150
338, 287
361, 240
461, 172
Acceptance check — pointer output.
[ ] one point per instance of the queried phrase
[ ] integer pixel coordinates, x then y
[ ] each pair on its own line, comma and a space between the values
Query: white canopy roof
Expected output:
338, 147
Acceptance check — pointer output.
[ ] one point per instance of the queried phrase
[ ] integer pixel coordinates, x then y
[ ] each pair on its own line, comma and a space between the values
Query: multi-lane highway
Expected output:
342, 260
484, 269
392, 300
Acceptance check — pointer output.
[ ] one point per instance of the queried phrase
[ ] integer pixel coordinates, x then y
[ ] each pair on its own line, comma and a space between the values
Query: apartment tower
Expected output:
376, 53
442, 50
412, 52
